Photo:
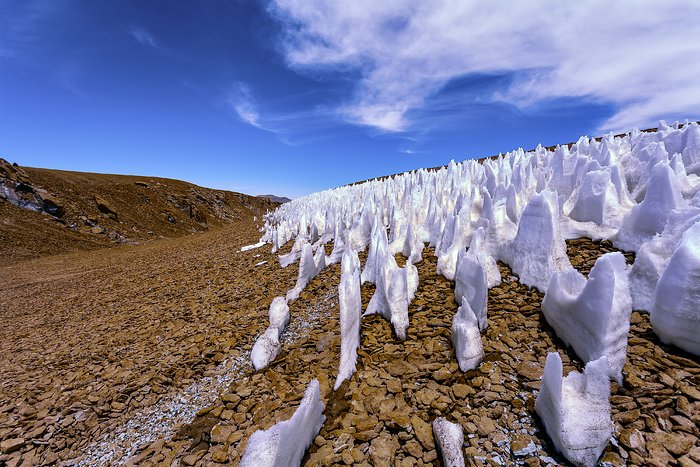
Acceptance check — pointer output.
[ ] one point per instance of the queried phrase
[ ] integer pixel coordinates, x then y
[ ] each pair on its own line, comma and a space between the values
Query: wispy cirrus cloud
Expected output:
240, 98
291, 128
643, 57
143, 37
22, 23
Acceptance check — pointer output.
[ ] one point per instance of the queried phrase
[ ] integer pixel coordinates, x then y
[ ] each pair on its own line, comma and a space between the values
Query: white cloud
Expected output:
241, 100
290, 128
641, 56
143, 37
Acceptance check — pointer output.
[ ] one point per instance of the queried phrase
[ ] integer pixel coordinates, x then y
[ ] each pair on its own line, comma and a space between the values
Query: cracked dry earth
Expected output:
126, 333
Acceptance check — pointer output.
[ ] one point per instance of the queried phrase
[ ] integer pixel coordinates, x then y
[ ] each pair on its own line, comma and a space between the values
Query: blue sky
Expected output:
294, 96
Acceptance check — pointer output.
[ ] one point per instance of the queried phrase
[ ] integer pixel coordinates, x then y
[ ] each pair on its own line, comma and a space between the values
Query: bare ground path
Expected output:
89, 339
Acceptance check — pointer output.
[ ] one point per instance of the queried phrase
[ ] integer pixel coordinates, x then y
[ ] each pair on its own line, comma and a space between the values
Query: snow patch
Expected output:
675, 315
253, 247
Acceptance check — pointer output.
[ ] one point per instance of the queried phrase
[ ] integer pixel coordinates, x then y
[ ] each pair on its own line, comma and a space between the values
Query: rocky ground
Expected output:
383, 415
139, 355
89, 339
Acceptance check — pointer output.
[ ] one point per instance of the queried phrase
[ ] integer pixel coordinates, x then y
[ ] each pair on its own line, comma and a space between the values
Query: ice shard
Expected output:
592, 316
285, 442
575, 409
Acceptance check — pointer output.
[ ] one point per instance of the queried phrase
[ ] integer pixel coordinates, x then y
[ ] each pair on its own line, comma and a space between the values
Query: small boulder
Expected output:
105, 207
53, 205
10, 445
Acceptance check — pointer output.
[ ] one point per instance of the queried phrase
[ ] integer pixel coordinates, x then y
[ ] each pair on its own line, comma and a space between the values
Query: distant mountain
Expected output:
276, 199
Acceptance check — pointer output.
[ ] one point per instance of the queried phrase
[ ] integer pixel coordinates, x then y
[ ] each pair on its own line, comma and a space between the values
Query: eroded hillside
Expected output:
46, 212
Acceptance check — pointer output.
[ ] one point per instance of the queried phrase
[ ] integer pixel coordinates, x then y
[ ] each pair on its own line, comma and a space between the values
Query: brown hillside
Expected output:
46, 212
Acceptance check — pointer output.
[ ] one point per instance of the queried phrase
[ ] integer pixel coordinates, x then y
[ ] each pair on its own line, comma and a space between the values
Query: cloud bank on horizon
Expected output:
642, 57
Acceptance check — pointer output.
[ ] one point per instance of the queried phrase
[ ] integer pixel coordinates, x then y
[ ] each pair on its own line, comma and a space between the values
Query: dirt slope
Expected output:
44, 212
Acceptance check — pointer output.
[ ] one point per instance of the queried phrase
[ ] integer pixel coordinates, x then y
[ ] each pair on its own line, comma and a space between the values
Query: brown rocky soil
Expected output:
104, 352
88, 339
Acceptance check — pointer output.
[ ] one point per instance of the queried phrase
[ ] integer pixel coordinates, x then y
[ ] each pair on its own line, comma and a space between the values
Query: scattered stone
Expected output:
424, 433
382, 450
523, 446
11, 445
611, 459
675, 443
105, 207
530, 370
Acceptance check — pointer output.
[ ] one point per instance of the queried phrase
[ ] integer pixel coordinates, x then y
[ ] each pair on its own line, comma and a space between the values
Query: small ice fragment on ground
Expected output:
252, 247
261, 263
266, 348
450, 438
524, 451
285, 442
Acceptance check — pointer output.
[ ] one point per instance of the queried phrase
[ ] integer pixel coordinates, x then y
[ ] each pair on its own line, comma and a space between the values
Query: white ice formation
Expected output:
653, 256
279, 314
450, 438
662, 195
595, 200
310, 265
471, 283
378, 250
395, 289
538, 250
252, 247
466, 338
350, 312
592, 316
267, 347
285, 442
675, 315
641, 191
575, 409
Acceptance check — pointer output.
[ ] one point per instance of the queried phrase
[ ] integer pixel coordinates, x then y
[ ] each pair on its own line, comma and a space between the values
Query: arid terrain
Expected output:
133, 346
